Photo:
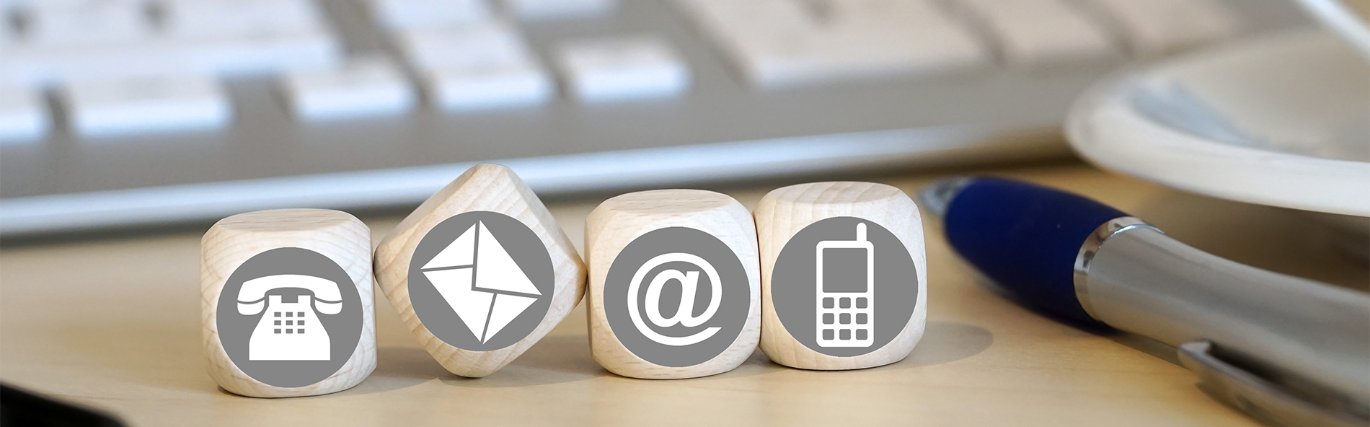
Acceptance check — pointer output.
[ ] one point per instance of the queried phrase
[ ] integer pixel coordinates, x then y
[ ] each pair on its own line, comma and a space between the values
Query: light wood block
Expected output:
620, 221
345, 246
784, 212
490, 188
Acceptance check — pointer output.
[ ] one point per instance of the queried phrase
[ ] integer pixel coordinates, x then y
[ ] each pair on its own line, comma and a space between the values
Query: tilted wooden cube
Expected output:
647, 251
286, 302
480, 271
843, 275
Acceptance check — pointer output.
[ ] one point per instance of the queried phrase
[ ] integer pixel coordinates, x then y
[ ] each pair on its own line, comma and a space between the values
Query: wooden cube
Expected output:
647, 251
843, 275
310, 264
480, 271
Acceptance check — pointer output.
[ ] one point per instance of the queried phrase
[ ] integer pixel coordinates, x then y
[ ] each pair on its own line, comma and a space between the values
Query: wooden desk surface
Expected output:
113, 323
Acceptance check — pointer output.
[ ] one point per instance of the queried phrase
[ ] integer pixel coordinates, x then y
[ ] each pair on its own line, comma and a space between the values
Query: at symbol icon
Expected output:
684, 314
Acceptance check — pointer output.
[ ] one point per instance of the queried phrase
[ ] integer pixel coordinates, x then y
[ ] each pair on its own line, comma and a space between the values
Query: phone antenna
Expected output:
861, 232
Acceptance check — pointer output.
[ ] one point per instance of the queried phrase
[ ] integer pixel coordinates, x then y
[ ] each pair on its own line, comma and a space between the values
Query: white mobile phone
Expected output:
845, 291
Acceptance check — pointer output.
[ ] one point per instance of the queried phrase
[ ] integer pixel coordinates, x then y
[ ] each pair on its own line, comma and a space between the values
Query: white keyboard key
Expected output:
265, 53
476, 66
24, 5
779, 43
489, 86
1036, 32
87, 22
110, 107
7, 31
886, 14
924, 50
1159, 26
199, 19
552, 9
8, 34
607, 70
397, 14
363, 87
490, 42
261, 53
40, 66
23, 116
734, 23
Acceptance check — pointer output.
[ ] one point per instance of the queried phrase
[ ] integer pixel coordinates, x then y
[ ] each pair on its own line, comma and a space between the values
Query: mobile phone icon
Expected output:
844, 274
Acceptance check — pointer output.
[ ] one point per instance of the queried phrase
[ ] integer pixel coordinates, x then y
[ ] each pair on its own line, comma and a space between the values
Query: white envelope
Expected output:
481, 282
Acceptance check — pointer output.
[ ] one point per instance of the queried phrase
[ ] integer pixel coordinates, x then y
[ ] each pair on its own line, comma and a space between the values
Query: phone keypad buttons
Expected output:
845, 319
295, 322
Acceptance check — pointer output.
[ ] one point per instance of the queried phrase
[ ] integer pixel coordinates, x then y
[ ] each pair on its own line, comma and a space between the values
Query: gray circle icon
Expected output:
844, 286
676, 297
481, 281
289, 317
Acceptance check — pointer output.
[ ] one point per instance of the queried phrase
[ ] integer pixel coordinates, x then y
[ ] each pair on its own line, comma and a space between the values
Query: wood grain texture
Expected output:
233, 240
618, 221
485, 187
785, 211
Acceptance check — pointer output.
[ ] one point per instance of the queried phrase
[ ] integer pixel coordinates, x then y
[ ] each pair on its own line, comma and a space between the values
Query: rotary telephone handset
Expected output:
252, 297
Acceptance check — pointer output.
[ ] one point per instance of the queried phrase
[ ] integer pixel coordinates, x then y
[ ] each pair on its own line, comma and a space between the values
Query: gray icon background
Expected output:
794, 285
344, 329
733, 308
523, 246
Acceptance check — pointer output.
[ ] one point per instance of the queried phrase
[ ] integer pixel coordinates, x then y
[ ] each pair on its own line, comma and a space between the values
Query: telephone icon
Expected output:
290, 330
845, 291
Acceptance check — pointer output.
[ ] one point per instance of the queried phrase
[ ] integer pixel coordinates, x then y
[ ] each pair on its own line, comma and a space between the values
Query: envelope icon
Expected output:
481, 282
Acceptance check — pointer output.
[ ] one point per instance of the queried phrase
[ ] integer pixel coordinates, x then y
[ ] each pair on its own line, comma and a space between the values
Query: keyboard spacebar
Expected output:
256, 55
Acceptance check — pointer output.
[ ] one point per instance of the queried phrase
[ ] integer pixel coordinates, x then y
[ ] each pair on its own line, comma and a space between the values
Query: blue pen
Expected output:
1286, 350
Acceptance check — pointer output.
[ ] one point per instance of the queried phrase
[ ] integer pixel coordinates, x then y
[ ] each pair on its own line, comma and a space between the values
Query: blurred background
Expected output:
121, 117
127, 112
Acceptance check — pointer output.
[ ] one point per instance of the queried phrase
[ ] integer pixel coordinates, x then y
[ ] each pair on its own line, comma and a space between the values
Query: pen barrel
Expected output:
1143, 282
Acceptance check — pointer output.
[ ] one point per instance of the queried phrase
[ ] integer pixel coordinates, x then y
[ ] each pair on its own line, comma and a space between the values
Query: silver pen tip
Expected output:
938, 195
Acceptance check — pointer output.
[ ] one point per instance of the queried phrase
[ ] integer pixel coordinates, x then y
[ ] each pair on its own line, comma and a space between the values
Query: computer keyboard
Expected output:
123, 112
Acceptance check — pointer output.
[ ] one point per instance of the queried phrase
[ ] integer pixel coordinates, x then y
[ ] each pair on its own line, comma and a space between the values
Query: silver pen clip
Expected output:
1271, 398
